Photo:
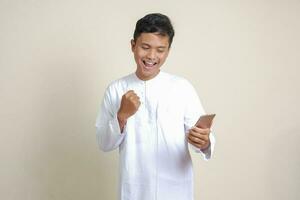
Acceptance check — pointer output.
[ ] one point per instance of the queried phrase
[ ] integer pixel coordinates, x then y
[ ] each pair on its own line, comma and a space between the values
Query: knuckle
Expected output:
129, 92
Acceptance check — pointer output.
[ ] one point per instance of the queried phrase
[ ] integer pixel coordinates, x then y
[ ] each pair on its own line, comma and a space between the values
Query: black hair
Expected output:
154, 23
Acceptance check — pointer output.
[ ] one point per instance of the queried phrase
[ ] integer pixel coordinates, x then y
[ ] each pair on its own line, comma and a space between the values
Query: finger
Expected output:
204, 138
204, 131
131, 98
128, 93
200, 129
133, 94
195, 144
136, 97
197, 140
197, 134
137, 103
198, 145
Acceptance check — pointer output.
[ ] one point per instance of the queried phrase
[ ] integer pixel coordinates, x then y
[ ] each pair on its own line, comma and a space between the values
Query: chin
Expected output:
147, 74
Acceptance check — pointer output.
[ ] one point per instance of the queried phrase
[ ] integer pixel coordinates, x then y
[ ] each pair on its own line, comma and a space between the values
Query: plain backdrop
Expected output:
58, 56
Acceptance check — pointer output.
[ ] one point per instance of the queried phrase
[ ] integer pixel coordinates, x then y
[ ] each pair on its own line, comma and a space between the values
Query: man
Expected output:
150, 116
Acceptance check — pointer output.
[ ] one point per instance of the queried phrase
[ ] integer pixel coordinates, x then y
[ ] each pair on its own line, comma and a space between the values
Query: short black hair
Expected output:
154, 23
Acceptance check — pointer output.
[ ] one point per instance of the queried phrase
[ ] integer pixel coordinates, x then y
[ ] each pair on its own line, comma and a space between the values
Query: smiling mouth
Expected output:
149, 64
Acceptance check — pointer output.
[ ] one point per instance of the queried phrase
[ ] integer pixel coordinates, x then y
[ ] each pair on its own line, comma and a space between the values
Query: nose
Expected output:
151, 54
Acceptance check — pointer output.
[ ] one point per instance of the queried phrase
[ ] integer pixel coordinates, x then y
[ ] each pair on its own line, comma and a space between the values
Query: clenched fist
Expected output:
130, 103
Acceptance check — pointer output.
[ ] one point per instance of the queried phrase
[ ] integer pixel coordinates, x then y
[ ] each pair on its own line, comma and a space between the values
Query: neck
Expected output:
143, 78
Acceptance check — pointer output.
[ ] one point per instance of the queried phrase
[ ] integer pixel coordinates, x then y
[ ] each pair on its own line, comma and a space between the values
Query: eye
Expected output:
160, 50
145, 47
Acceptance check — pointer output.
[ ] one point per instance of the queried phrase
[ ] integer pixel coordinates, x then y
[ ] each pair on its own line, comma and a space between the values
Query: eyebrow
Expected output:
145, 44
157, 47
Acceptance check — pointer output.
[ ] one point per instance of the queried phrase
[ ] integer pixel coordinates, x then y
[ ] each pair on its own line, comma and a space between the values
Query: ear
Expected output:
132, 42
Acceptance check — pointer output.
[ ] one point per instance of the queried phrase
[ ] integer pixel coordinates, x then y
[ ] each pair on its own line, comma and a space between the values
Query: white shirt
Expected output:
155, 163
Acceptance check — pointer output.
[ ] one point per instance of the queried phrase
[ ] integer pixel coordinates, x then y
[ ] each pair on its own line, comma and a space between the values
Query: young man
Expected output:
150, 116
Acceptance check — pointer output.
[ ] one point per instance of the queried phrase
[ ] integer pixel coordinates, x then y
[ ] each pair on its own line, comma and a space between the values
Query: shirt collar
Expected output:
153, 80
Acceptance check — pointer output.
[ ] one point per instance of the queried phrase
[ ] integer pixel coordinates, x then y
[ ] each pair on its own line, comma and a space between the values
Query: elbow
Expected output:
104, 144
105, 148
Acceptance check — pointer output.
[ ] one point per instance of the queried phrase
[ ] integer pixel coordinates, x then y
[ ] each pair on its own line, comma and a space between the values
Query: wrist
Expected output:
122, 121
121, 117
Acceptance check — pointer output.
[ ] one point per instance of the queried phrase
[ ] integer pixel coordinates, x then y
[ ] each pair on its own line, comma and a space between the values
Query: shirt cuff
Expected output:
115, 126
208, 152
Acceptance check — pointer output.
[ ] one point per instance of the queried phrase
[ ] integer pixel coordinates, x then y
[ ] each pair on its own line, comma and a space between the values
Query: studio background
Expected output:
57, 57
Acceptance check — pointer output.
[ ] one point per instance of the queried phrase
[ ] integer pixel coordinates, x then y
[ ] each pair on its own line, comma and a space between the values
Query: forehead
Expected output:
153, 39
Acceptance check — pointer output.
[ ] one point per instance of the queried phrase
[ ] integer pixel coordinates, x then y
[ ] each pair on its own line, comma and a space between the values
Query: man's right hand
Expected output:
130, 103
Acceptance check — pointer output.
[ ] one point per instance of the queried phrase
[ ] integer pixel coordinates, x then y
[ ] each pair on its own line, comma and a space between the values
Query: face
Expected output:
150, 52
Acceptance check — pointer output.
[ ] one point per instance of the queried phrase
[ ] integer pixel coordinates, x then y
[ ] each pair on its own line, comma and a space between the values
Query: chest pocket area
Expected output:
171, 118
140, 128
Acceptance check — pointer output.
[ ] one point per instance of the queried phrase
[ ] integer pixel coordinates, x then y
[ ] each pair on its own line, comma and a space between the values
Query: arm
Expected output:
111, 125
202, 141
108, 130
193, 110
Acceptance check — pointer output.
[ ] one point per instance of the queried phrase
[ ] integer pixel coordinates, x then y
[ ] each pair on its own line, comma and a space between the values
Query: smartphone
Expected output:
205, 121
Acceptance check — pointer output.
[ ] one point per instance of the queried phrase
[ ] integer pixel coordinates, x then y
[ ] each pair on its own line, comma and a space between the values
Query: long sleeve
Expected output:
193, 111
108, 133
207, 154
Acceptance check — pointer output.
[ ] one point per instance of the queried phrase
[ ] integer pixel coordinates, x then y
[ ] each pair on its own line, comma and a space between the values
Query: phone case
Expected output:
205, 121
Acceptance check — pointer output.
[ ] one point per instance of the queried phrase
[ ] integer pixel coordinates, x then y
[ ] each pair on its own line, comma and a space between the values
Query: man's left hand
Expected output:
199, 137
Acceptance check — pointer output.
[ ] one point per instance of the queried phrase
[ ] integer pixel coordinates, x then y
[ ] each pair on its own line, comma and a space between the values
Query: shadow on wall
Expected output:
283, 177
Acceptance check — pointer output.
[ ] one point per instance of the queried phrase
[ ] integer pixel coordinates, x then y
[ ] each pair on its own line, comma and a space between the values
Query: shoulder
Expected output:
119, 84
177, 81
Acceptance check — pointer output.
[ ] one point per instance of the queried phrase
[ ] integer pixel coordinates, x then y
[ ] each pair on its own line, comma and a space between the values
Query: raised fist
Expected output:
130, 103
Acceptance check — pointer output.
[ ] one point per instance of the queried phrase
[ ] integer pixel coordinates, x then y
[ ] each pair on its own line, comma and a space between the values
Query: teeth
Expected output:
149, 63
